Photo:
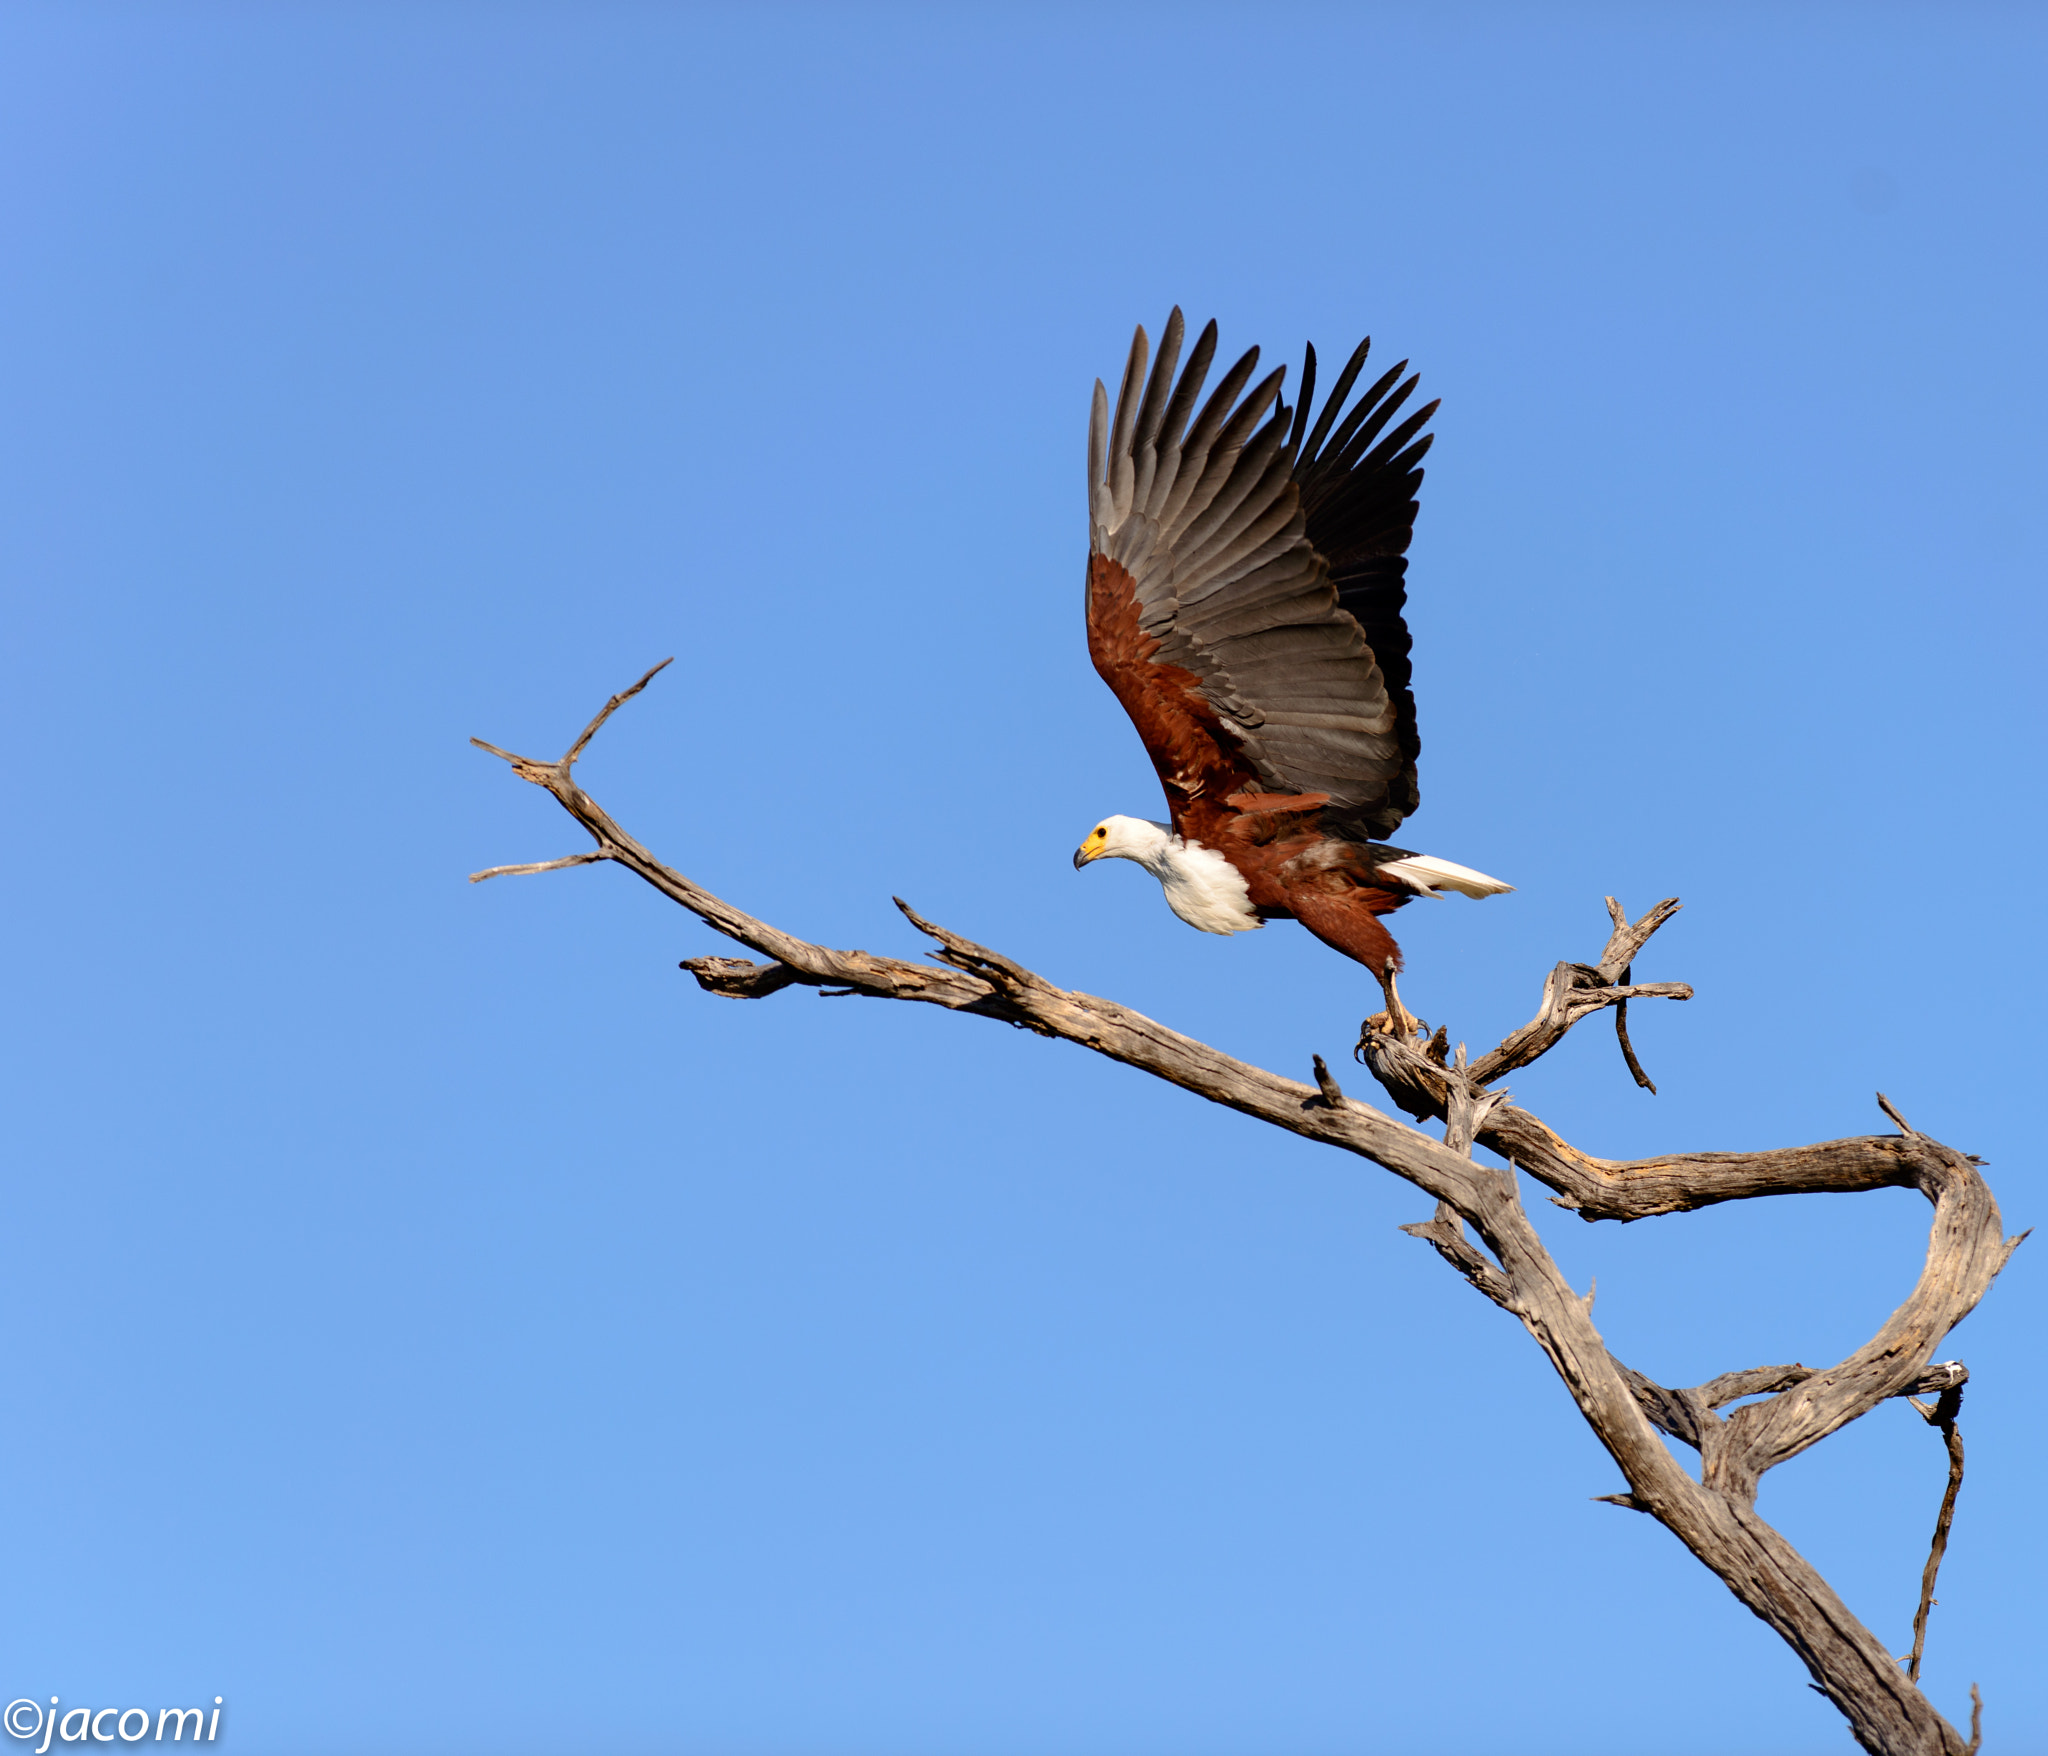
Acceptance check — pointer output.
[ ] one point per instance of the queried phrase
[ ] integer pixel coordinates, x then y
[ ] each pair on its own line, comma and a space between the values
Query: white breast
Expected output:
1203, 888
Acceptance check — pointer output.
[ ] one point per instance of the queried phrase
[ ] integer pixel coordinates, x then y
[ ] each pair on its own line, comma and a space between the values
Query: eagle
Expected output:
1246, 574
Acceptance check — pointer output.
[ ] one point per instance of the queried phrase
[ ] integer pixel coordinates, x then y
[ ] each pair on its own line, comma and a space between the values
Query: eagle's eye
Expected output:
1101, 831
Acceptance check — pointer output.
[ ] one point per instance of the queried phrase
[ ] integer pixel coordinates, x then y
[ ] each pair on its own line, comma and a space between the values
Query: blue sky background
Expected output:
434, 1326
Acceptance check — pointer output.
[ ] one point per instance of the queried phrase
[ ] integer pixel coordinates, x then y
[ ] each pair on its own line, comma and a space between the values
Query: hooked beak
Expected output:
1081, 858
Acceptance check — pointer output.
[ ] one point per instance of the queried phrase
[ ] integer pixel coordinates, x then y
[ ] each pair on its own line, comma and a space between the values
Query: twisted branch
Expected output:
1941, 1413
1714, 1515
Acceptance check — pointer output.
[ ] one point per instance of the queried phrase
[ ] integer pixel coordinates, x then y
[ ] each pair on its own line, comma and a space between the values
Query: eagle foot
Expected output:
1397, 1022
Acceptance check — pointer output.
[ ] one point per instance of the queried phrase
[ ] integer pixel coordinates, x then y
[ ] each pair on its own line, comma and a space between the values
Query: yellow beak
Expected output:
1091, 849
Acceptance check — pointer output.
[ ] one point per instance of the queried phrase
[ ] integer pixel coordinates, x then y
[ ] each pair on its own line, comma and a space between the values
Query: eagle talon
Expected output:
1396, 1021
1400, 1024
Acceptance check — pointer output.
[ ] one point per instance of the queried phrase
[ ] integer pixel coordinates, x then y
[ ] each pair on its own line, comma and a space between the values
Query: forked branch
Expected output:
1501, 1255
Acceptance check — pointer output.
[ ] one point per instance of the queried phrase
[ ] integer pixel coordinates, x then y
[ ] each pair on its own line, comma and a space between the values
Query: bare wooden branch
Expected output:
1682, 1413
611, 707
1757, 1381
1885, 1104
1943, 1374
1629, 938
1628, 1049
1715, 1514
1574, 991
1964, 1254
1333, 1093
1598, 1188
1943, 1415
736, 978
538, 866
1445, 1233
1468, 1108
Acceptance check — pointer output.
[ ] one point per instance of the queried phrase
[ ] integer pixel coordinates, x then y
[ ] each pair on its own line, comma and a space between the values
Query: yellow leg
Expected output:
1397, 1020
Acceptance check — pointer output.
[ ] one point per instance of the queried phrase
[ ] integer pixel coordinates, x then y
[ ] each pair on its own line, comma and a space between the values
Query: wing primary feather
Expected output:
1263, 465
1189, 387
1410, 459
1335, 406
1144, 454
1304, 398
1199, 473
1210, 495
1167, 456
1210, 421
1399, 437
1098, 457
1407, 461
1368, 418
1121, 473
1252, 410
1098, 435
1223, 556
1153, 408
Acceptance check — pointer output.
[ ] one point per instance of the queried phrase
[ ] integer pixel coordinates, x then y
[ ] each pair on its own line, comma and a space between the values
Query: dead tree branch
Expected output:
1941, 1413
537, 866
1794, 1407
1619, 917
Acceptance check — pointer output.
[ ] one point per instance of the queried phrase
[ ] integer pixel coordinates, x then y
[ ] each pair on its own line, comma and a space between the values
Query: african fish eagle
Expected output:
1244, 604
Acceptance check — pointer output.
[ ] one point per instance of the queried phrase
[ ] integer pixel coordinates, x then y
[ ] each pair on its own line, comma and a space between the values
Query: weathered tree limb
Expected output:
1598, 1188
532, 866
1941, 1413
1619, 916
1713, 1515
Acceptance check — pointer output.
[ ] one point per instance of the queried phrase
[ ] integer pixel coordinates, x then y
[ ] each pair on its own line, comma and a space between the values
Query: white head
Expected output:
1125, 838
1201, 886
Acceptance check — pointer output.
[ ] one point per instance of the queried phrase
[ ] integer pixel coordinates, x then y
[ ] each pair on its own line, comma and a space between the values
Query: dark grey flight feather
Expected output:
1332, 408
1304, 398
1270, 564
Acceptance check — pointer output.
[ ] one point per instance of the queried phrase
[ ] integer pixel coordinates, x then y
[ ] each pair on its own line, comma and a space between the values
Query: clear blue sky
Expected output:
434, 1326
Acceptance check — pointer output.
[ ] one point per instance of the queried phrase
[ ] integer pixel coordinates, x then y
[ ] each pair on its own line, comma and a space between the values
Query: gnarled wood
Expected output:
1627, 1189
1713, 1515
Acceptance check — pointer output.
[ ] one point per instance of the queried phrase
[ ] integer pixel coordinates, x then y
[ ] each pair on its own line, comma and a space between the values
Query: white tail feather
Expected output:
1432, 876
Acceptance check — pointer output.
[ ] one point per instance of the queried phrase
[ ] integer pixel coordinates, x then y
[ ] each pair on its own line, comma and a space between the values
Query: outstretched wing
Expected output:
1245, 588
1358, 486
